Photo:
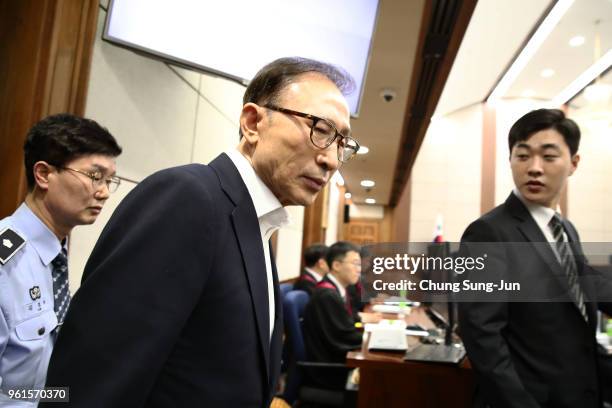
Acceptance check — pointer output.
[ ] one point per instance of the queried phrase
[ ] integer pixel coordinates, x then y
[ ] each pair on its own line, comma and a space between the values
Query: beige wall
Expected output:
446, 176
160, 121
589, 198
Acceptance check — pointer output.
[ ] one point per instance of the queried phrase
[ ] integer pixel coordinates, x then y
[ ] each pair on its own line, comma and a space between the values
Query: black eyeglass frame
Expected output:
315, 120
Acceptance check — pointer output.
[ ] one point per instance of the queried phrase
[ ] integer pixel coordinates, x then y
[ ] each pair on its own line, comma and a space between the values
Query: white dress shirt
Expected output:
341, 288
313, 273
270, 214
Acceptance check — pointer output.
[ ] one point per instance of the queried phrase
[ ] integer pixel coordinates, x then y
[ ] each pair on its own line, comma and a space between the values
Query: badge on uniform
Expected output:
35, 293
10, 244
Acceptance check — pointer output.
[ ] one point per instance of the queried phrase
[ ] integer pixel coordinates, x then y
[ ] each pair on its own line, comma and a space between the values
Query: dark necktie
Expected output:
568, 265
61, 292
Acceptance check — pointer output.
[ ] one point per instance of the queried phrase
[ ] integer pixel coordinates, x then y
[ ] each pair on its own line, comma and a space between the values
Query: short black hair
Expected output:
270, 81
267, 85
338, 251
61, 138
313, 253
542, 119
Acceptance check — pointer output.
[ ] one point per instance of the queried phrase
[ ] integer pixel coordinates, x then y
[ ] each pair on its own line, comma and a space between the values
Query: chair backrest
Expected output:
285, 288
294, 304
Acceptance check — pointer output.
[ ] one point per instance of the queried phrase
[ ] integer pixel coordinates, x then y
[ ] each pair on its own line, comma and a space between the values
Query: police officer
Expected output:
70, 170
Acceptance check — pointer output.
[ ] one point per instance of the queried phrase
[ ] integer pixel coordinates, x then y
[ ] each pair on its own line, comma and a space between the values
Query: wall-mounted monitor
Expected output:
234, 38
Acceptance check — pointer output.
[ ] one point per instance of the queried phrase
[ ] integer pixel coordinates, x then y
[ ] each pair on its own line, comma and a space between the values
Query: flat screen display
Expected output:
235, 38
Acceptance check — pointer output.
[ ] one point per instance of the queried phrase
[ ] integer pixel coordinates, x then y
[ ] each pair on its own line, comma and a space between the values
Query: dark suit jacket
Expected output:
173, 308
530, 354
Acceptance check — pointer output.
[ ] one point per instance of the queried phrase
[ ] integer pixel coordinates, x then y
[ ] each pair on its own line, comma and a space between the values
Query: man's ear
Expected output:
575, 160
41, 171
250, 119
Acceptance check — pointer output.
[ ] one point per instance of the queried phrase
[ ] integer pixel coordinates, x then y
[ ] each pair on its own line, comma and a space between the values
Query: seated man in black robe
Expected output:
315, 269
329, 320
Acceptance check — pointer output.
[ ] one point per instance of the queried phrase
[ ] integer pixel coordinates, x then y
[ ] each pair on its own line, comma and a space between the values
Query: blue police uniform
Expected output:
27, 319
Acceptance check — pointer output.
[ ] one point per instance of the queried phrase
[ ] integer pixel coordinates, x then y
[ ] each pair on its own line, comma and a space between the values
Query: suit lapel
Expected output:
278, 310
585, 284
532, 233
276, 341
248, 235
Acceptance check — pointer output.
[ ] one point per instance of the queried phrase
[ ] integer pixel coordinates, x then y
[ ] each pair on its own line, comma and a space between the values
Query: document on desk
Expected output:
381, 308
409, 331
388, 335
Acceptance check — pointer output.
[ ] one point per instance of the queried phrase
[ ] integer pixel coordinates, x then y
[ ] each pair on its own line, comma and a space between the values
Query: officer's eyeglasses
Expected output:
323, 133
98, 180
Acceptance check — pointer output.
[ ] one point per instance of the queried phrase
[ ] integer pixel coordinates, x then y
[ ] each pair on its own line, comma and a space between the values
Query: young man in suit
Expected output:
180, 305
541, 353
315, 269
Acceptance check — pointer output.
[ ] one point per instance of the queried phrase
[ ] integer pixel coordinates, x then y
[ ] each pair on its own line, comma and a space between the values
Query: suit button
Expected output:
41, 331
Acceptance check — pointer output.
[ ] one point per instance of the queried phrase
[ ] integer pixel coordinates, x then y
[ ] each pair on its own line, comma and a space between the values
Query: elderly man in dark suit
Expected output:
179, 305
535, 354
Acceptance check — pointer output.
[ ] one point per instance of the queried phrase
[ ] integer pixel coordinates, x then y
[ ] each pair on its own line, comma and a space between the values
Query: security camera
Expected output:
388, 95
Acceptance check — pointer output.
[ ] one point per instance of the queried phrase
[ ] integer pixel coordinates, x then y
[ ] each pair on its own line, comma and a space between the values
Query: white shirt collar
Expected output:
338, 285
314, 274
541, 214
270, 212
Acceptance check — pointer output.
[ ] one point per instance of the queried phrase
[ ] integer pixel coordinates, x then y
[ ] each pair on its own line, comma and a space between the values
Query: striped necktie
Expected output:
61, 292
568, 265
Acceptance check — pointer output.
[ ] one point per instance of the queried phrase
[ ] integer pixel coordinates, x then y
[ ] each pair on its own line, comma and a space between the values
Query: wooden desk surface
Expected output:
386, 380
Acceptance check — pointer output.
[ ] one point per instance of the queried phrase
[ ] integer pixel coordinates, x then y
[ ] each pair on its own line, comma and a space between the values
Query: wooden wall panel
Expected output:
314, 222
45, 58
401, 216
363, 231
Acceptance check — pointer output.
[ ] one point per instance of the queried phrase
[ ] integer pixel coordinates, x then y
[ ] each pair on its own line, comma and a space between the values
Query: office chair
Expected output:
285, 288
297, 385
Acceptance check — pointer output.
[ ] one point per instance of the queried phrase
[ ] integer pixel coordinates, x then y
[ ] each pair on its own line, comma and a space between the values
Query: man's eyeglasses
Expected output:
354, 263
98, 180
323, 133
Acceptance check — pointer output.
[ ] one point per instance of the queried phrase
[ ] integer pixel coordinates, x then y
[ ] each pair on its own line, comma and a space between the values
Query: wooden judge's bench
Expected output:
386, 380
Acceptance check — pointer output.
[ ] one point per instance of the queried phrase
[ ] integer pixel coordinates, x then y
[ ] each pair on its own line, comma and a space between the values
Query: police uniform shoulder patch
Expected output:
10, 243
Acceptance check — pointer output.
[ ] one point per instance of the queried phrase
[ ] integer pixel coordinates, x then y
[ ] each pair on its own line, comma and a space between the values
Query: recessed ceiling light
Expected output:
528, 93
536, 40
370, 201
348, 196
547, 73
363, 150
367, 183
576, 41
